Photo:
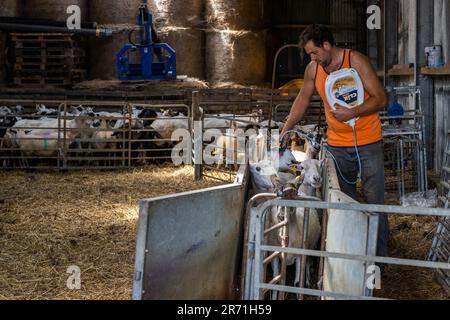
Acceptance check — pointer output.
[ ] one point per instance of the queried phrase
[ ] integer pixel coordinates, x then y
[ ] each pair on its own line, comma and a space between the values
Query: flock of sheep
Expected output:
145, 132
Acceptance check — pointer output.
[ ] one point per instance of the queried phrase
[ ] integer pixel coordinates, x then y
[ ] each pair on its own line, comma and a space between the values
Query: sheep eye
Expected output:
258, 169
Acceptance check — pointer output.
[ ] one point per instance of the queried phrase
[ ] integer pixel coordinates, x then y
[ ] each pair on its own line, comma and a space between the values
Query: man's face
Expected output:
321, 55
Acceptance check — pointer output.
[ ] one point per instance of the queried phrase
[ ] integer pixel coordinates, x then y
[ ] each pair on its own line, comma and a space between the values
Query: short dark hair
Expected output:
318, 34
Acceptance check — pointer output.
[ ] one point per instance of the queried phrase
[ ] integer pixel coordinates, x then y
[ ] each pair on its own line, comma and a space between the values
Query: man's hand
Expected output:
344, 114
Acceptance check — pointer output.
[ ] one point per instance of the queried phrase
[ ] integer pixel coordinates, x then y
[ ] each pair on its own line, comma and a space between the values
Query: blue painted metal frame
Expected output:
147, 69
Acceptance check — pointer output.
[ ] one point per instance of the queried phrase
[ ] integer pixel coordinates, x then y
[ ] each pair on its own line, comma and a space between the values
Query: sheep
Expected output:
230, 148
7, 120
311, 180
40, 142
307, 146
40, 137
224, 121
144, 132
104, 139
165, 126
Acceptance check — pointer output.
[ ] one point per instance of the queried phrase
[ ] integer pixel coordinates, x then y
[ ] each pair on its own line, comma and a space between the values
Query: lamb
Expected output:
311, 180
165, 126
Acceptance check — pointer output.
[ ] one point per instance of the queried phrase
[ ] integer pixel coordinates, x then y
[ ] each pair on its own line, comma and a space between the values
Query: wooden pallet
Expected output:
32, 66
50, 52
42, 36
66, 72
47, 60
50, 78
46, 44
33, 81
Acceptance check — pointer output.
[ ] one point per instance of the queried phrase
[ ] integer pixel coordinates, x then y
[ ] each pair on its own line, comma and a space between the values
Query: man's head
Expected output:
318, 42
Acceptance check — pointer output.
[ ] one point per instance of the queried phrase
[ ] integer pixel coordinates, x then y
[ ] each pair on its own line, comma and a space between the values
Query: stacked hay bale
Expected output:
235, 42
178, 24
8, 8
121, 16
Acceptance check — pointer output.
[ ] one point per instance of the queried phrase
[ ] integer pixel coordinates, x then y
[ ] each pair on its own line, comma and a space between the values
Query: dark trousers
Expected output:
372, 178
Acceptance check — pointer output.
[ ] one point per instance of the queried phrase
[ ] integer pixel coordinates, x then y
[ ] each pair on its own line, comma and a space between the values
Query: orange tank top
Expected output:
368, 128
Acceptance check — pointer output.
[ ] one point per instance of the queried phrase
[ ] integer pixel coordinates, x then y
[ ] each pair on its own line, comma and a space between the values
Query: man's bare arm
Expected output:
303, 99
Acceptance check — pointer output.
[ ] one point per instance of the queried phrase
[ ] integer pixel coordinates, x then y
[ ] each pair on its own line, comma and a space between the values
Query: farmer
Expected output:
318, 42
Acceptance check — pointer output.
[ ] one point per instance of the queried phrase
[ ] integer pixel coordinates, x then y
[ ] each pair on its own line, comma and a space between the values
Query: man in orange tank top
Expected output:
326, 58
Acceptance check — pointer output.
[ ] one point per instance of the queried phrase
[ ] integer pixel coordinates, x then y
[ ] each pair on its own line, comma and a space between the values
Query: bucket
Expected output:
434, 56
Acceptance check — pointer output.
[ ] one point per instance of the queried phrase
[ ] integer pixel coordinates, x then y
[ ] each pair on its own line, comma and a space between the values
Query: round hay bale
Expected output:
185, 13
238, 57
114, 12
53, 9
189, 45
102, 55
235, 14
10, 8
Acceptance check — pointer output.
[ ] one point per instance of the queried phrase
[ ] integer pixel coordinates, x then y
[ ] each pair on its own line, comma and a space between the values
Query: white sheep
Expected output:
312, 181
262, 179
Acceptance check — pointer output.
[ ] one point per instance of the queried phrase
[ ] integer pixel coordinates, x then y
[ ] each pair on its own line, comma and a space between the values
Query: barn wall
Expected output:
11, 8
53, 9
290, 17
442, 27
441, 84
406, 32
8, 8
442, 118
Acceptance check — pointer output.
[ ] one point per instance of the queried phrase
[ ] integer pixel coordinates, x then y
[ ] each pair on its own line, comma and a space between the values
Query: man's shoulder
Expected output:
357, 57
311, 70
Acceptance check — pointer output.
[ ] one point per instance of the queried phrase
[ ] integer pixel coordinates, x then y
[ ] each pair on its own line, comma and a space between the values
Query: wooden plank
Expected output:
443, 71
401, 70
41, 36
50, 52
47, 66
38, 81
50, 73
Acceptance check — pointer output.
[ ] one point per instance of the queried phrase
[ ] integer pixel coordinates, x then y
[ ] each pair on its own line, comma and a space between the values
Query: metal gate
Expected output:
347, 250
440, 250
188, 244
341, 265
